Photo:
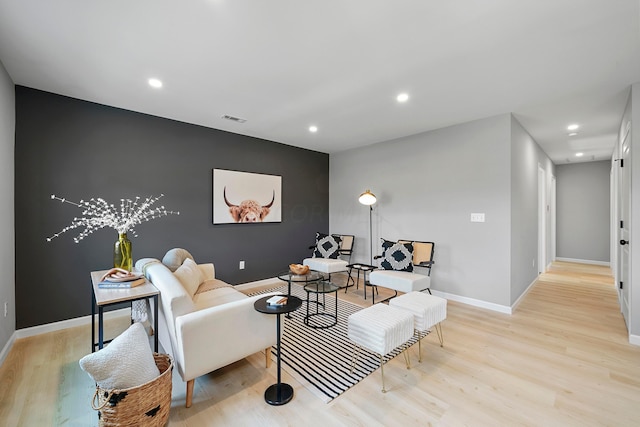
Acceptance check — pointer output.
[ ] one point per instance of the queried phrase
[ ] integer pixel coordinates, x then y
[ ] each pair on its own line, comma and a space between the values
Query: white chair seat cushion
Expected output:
428, 310
380, 328
326, 265
402, 281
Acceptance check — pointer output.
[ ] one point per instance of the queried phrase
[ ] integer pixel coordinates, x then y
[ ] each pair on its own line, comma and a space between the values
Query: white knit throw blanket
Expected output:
140, 310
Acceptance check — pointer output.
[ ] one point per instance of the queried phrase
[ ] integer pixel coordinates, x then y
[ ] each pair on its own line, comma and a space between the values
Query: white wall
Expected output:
635, 214
584, 211
427, 186
7, 235
526, 157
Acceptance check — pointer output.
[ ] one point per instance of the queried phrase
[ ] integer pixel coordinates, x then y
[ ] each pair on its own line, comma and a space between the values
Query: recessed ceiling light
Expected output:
573, 133
403, 97
155, 83
313, 129
573, 127
579, 154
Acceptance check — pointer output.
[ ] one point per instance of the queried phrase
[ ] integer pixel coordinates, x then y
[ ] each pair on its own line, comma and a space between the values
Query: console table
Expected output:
102, 298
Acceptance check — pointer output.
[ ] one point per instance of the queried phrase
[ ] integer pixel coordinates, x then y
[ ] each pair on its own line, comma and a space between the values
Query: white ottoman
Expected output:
428, 311
380, 329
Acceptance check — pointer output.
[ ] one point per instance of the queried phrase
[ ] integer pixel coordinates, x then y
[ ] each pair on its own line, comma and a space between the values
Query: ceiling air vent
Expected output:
234, 119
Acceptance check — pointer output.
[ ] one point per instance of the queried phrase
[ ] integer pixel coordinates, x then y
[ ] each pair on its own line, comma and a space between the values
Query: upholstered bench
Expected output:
380, 329
428, 311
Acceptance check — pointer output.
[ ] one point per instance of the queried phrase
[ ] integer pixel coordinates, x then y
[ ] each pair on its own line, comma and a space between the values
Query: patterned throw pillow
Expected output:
397, 256
327, 246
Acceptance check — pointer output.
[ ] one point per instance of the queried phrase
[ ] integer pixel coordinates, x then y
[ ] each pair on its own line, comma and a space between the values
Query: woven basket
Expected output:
145, 405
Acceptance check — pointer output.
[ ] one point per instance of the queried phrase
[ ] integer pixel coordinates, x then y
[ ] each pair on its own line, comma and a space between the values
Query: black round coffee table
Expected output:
279, 393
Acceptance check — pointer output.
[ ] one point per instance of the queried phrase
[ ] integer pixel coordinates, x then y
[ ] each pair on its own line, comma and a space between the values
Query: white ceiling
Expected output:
338, 64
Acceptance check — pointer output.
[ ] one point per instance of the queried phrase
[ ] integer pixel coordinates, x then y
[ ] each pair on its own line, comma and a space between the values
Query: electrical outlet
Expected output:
241, 265
6, 308
477, 217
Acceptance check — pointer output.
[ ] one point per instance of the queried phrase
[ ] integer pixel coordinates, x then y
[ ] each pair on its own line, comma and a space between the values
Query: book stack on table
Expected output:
118, 278
277, 300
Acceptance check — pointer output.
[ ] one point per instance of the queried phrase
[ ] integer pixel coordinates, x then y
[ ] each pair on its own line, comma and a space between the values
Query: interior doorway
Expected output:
542, 223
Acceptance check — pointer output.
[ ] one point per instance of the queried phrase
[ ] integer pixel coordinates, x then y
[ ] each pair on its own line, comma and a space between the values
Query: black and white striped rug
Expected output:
321, 359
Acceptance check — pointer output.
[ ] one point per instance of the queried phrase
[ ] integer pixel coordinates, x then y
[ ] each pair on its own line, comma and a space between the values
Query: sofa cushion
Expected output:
217, 297
126, 362
327, 246
175, 257
189, 275
210, 285
397, 256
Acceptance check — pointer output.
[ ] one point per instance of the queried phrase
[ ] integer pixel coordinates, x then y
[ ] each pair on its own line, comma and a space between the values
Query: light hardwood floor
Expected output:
562, 359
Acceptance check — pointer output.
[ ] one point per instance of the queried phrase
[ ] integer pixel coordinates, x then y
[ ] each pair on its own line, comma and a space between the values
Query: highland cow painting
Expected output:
243, 197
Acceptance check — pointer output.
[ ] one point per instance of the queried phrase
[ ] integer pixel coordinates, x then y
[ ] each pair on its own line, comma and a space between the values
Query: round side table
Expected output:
278, 393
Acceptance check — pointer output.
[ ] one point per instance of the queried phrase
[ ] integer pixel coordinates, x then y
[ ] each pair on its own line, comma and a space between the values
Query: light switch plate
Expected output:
477, 217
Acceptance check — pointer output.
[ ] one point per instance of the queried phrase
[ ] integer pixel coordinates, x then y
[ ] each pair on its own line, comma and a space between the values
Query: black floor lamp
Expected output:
369, 199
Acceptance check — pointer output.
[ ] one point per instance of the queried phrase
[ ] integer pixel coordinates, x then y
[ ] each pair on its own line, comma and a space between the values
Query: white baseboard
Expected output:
521, 297
57, 326
474, 302
634, 339
584, 261
69, 323
7, 347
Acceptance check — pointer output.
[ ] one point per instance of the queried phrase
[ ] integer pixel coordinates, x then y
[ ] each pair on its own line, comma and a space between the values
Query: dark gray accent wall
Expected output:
583, 212
78, 150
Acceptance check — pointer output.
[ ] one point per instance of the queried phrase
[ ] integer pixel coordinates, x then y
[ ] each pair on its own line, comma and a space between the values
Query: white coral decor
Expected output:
97, 214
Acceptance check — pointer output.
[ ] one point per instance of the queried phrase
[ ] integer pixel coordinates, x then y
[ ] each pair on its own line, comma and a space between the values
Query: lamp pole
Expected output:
368, 198
370, 236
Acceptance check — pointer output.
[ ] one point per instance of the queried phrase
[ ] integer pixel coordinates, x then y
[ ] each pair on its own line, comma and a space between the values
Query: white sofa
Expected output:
210, 329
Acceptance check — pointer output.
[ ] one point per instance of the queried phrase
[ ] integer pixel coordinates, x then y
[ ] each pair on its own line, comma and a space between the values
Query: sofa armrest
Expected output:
214, 337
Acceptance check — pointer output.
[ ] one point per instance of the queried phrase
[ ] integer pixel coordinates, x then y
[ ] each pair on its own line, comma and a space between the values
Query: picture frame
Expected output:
246, 197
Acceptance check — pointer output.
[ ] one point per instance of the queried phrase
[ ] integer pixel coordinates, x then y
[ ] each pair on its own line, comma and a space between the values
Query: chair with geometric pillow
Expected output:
397, 264
331, 253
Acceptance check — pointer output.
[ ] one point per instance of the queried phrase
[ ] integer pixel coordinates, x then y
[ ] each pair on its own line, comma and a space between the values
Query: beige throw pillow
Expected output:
190, 276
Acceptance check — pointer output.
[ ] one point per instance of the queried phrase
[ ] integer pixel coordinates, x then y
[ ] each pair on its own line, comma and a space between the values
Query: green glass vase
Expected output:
122, 257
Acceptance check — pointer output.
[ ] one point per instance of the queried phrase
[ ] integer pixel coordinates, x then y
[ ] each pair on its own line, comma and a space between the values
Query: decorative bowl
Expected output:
299, 269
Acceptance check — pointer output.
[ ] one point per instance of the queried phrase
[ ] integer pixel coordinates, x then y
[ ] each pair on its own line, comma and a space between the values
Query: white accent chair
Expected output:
405, 281
330, 265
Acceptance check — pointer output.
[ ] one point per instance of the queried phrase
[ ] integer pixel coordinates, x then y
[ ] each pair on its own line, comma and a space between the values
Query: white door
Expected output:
625, 223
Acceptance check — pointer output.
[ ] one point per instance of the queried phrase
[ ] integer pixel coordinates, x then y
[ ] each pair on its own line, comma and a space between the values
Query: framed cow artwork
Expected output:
243, 197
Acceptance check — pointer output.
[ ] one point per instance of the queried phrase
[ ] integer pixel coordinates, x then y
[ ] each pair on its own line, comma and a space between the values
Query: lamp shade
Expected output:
367, 198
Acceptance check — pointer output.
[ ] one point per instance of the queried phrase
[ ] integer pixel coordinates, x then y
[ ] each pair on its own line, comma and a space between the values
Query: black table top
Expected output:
293, 303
